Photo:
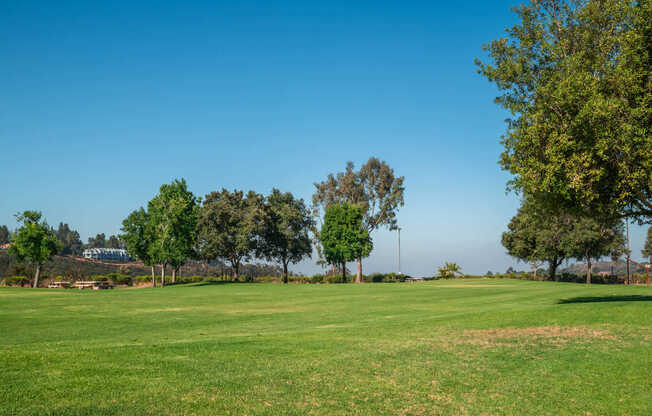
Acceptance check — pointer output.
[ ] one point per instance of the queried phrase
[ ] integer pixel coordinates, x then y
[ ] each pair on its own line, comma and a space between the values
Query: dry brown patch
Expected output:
540, 334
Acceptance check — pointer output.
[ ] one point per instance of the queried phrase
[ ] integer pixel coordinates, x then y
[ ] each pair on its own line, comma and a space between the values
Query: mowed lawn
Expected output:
446, 347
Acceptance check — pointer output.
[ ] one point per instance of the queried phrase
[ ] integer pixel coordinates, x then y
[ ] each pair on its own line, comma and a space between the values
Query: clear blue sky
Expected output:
102, 102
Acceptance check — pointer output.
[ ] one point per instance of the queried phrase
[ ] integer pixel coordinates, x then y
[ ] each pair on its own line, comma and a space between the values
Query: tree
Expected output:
34, 242
113, 242
448, 271
537, 235
173, 219
138, 237
575, 76
647, 249
374, 188
98, 242
230, 226
286, 236
343, 236
4, 234
591, 240
70, 241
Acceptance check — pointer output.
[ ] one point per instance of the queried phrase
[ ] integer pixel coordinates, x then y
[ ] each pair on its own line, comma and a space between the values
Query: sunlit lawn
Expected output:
454, 347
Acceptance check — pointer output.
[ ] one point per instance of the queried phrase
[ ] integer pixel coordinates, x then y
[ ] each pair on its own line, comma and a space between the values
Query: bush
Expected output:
318, 278
16, 281
190, 279
99, 278
142, 279
120, 279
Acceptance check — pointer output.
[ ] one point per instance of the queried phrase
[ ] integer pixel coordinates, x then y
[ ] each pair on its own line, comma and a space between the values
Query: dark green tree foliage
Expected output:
374, 188
34, 242
286, 236
113, 242
173, 220
536, 235
230, 226
99, 241
342, 235
4, 234
70, 241
138, 238
647, 249
591, 240
576, 77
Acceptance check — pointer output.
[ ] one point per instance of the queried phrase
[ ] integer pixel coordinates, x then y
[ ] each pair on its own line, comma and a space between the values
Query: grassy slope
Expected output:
423, 348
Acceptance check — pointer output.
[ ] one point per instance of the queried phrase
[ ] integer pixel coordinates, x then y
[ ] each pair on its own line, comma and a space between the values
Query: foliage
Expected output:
647, 249
575, 75
34, 242
286, 236
591, 240
374, 188
99, 241
70, 241
230, 226
173, 222
342, 236
15, 281
5, 234
448, 271
114, 242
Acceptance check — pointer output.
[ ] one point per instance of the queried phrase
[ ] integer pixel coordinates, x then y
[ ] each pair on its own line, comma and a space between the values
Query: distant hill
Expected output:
78, 267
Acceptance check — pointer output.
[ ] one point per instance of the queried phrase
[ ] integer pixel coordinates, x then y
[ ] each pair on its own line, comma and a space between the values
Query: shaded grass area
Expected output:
455, 347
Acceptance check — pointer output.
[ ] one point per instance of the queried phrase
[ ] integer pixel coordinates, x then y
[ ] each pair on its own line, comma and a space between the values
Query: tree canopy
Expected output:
70, 241
34, 241
342, 235
647, 249
138, 238
374, 189
575, 76
286, 237
230, 226
4, 234
173, 221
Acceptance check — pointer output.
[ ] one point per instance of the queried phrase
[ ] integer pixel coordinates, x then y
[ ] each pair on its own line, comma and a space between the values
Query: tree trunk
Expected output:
344, 272
588, 270
552, 269
235, 265
36, 275
358, 276
153, 277
162, 274
285, 272
174, 275
534, 271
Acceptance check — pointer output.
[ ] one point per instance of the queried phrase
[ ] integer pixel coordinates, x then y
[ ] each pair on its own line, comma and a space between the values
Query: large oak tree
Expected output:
575, 75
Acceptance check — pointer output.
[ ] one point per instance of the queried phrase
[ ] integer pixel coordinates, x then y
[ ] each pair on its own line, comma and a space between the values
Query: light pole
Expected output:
399, 250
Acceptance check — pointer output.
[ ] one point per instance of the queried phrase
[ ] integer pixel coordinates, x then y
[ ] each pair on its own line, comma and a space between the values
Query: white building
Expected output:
107, 254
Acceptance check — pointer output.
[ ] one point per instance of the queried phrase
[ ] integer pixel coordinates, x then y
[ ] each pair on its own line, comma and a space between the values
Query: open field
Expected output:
457, 347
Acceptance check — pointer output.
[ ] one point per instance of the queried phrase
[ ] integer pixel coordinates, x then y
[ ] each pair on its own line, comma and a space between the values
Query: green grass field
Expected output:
454, 347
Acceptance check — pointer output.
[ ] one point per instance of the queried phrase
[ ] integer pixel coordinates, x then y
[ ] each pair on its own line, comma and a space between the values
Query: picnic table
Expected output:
93, 284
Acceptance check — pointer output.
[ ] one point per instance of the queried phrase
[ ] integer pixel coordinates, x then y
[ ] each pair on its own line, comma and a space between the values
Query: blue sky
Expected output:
105, 101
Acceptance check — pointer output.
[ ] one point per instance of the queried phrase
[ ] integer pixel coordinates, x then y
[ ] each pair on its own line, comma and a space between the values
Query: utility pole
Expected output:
627, 253
399, 250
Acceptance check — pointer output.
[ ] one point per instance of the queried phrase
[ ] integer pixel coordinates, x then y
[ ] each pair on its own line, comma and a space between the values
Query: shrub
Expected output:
99, 278
16, 281
318, 278
120, 279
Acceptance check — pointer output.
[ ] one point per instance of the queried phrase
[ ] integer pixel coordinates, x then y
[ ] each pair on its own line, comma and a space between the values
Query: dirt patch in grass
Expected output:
538, 335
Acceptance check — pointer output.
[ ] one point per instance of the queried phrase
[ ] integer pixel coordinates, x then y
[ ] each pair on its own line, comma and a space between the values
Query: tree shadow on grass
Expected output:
592, 299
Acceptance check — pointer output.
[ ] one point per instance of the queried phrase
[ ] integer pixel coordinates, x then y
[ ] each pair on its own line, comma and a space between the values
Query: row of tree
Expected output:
230, 226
